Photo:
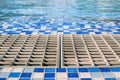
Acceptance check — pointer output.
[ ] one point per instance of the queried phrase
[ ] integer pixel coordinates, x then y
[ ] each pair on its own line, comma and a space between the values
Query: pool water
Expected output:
59, 16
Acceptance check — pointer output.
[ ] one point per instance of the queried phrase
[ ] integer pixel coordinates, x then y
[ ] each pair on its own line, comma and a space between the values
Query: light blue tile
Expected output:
108, 75
4, 74
96, 75
29, 70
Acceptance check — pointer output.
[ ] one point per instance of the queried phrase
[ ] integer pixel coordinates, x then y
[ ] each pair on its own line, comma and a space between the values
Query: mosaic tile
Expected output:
92, 73
45, 27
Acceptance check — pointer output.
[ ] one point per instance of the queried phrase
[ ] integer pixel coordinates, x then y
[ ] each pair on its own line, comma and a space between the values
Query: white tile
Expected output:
17, 70
98, 78
117, 74
6, 69
61, 75
13, 79
38, 75
62, 79
85, 75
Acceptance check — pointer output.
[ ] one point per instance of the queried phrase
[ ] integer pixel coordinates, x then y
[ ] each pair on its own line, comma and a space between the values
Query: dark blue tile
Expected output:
49, 75
82, 25
29, 32
86, 79
72, 70
3, 79
25, 78
115, 69
78, 32
83, 69
49, 79
51, 70
110, 79
93, 69
116, 32
73, 75
61, 69
26, 74
97, 32
104, 69
15, 75
67, 23
39, 70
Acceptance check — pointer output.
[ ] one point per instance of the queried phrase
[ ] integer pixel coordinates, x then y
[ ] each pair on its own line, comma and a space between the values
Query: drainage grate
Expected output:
24, 50
60, 50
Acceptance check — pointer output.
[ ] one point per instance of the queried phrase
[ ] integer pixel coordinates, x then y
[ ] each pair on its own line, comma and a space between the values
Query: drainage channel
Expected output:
60, 50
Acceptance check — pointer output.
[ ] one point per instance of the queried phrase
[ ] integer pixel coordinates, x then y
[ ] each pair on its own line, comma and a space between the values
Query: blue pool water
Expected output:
59, 16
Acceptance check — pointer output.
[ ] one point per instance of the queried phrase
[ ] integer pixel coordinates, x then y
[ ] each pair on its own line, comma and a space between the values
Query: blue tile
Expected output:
67, 23
49, 75
86, 79
104, 69
49, 79
51, 70
39, 70
14, 75
115, 69
61, 69
78, 32
73, 75
97, 32
3, 79
72, 70
26, 74
93, 69
66, 32
83, 69
110, 79
0, 68
25, 78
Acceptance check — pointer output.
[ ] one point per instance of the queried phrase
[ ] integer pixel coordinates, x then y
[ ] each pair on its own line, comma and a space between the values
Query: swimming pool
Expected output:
59, 17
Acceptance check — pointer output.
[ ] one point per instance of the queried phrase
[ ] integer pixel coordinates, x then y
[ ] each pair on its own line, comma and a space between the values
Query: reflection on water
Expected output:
61, 9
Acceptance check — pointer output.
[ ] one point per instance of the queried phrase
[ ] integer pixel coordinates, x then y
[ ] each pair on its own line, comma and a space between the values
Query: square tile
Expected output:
104, 69
26, 74
61, 69
14, 75
49, 75
73, 75
6, 69
85, 75
83, 69
50, 70
28, 70
4, 74
93, 69
39, 70
61, 75
38, 75
72, 70
17, 69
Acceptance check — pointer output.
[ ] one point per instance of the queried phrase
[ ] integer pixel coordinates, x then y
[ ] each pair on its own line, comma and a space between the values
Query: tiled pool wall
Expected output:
56, 50
49, 26
71, 73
